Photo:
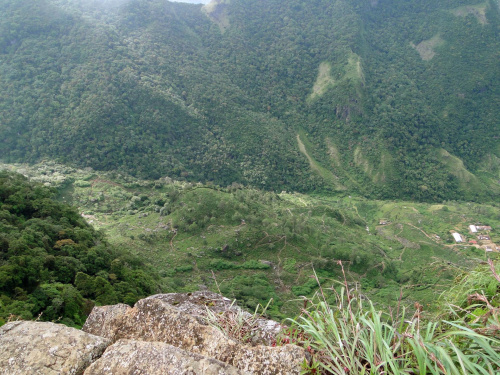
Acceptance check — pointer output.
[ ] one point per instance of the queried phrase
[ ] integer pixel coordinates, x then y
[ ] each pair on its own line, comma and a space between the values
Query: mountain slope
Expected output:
390, 99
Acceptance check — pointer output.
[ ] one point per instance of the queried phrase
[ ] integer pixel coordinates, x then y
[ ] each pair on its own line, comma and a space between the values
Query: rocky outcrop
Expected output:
47, 348
103, 320
156, 358
155, 320
197, 303
166, 334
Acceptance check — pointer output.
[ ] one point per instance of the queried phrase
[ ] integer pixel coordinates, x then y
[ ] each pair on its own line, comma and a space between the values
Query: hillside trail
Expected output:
429, 237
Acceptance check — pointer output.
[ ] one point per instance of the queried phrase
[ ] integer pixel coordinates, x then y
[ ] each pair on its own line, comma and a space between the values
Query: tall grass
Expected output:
353, 337
237, 323
234, 322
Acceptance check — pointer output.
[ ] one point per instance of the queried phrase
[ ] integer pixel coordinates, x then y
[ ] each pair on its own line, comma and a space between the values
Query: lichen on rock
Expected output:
157, 358
47, 348
155, 320
165, 334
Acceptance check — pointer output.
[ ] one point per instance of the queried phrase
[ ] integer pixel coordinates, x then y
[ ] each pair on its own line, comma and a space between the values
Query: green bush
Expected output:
255, 265
183, 268
219, 264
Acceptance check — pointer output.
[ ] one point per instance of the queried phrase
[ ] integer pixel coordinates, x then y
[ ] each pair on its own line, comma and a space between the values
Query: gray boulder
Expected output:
130, 357
197, 303
28, 348
155, 320
104, 319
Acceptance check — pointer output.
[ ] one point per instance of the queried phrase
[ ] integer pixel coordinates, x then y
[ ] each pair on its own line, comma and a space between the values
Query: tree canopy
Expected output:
54, 265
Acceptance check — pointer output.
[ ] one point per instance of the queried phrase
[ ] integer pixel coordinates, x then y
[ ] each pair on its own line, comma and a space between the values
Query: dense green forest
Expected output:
386, 99
55, 266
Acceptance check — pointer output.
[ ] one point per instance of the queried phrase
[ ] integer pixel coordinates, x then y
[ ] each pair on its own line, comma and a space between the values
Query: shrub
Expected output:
219, 264
353, 337
183, 268
255, 265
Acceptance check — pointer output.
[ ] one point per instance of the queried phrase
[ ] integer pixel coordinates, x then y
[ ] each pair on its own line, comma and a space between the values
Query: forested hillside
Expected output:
55, 266
388, 98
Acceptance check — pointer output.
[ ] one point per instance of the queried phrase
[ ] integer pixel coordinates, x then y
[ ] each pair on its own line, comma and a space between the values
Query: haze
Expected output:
191, 1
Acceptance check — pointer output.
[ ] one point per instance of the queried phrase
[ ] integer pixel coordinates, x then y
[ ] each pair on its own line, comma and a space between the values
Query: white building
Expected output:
473, 228
457, 237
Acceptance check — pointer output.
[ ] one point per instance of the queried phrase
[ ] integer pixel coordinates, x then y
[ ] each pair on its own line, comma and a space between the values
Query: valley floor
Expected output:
254, 245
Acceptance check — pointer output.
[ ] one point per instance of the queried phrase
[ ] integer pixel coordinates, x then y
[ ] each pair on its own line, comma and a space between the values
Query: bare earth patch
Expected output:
478, 11
426, 47
302, 149
333, 152
216, 10
323, 82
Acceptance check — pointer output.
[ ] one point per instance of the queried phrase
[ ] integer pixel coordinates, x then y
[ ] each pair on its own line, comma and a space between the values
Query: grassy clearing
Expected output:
323, 172
354, 69
478, 11
426, 47
466, 179
323, 82
333, 152
456, 166
377, 173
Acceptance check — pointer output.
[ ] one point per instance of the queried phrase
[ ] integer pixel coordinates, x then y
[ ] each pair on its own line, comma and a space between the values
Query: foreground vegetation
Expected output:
55, 266
347, 334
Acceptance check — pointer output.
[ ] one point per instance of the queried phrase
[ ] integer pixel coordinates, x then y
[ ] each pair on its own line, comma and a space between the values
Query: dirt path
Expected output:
401, 255
97, 180
357, 213
426, 235
172, 241
278, 268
